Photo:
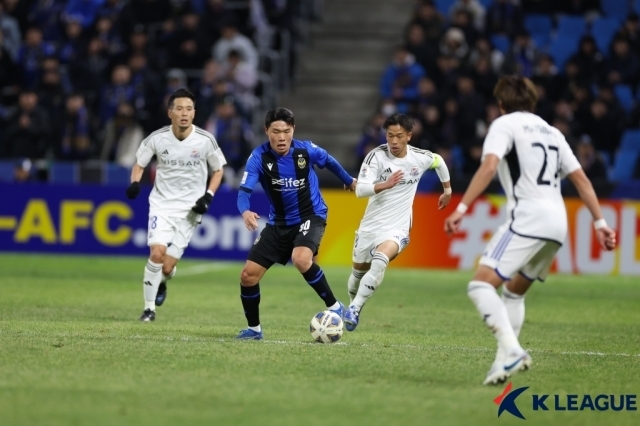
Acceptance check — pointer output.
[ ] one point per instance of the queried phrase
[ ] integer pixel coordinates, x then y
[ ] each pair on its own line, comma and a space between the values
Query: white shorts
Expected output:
508, 254
172, 232
366, 242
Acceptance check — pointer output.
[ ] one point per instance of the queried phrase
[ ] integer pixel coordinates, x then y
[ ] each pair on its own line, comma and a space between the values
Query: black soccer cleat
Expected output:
148, 315
161, 296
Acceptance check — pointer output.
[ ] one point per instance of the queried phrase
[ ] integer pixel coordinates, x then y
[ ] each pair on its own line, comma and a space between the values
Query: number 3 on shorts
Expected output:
304, 228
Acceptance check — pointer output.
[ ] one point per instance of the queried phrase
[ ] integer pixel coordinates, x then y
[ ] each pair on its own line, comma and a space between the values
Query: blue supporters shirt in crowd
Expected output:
289, 181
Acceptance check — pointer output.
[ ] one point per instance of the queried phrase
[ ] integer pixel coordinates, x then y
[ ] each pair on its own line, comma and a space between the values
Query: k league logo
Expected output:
506, 401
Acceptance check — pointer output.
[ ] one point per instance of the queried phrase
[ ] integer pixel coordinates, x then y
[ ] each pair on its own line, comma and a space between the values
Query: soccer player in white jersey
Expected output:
531, 158
180, 195
389, 176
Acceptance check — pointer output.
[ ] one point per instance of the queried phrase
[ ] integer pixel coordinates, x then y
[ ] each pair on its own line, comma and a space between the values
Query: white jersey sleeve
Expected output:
146, 151
369, 169
499, 139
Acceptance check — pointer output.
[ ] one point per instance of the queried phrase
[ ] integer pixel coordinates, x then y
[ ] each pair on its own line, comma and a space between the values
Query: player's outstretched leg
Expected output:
370, 282
151, 282
354, 283
250, 297
314, 276
162, 288
496, 318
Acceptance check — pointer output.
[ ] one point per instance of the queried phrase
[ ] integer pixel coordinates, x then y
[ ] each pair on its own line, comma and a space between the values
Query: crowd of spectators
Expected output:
88, 79
444, 72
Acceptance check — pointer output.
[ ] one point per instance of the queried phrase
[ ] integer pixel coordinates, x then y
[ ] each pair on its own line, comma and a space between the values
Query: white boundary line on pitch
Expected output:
203, 268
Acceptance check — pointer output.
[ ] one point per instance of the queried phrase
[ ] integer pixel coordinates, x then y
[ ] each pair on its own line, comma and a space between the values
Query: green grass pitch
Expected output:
72, 351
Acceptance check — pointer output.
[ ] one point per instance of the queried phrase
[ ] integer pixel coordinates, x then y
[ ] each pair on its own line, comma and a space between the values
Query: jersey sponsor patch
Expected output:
195, 154
414, 171
301, 162
244, 178
364, 172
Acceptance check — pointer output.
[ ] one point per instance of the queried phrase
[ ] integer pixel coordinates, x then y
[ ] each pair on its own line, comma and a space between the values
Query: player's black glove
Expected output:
133, 190
202, 205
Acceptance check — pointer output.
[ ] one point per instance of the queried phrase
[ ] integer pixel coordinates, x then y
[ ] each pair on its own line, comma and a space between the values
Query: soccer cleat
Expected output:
351, 317
148, 315
500, 372
249, 334
340, 311
161, 296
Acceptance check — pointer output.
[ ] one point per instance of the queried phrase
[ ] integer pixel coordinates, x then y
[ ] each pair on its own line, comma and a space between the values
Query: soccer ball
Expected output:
326, 327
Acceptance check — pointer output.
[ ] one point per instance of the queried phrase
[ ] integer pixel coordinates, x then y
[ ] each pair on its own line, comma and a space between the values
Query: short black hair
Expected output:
402, 120
181, 93
279, 114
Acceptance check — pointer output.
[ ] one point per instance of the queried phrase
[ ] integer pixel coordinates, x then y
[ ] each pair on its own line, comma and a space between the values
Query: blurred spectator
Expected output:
9, 77
244, 80
145, 12
451, 125
604, 128
18, 9
431, 21
88, 71
51, 95
446, 75
234, 136
623, 67
31, 54
630, 31
463, 21
120, 90
564, 111
76, 139
123, 136
590, 62
147, 87
373, 135
205, 91
569, 82
83, 11
453, 44
470, 108
544, 106
564, 127
484, 77
46, 15
27, 129
72, 44
400, 79
111, 9
107, 33
503, 17
483, 48
427, 93
188, 45
431, 127
11, 33
591, 161
523, 55
214, 17
579, 7
475, 9
22, 170
418, 45
545, 74
233, 40
537, 6
139, 43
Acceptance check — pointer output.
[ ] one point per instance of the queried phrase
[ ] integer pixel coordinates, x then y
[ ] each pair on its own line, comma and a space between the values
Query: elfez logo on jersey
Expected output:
506, 401
289, 184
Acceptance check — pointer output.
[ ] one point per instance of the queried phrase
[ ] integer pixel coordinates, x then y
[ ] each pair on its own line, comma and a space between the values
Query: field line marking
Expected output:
203, 268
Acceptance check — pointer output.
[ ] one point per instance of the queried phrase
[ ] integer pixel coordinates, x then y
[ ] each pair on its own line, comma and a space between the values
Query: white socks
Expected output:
152, 278
354, 283
494, 313
371, 280
515, 310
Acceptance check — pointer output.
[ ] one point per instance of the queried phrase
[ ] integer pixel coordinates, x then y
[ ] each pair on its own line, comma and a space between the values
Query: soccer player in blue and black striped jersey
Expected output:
297, 218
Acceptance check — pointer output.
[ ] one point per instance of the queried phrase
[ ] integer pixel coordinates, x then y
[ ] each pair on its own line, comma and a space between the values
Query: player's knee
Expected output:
157, 256
302, 261
167, 269
248, 278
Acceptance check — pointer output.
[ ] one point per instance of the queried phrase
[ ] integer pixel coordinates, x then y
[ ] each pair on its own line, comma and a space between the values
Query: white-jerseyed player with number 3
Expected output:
180, 195
389, 176
531, 158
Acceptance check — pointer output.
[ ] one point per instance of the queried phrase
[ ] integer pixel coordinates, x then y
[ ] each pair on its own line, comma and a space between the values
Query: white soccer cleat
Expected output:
501, 371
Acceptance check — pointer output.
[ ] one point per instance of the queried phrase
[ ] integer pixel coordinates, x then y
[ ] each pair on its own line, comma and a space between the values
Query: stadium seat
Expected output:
116, 175
538, 24
6, 171
603, 30
444, 5
486, 3
624, 165
62, 172
574, 26
624, 95
615, 8
541, 40
636, 6
562, 48
501, 42
630, 141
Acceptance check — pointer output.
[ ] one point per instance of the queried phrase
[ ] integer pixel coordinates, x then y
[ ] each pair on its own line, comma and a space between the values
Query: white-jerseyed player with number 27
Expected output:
180, 195
531, 158
389, 176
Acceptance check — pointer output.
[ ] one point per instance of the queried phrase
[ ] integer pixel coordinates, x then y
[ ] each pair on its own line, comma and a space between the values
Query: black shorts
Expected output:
276, 242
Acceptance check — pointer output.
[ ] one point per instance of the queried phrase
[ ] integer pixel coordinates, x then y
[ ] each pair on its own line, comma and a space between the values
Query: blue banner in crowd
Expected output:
101, 220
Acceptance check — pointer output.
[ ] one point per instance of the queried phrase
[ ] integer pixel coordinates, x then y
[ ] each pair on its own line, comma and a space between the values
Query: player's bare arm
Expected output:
445, 198
351, 187
606, 236
480, 181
